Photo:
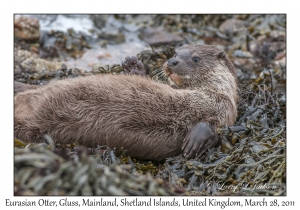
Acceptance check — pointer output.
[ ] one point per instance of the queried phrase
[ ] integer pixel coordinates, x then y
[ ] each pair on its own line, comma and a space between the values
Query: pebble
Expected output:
242, 54
39, 64
231, 26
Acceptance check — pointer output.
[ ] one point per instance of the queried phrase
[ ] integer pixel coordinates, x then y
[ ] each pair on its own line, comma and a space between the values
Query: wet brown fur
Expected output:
148, 119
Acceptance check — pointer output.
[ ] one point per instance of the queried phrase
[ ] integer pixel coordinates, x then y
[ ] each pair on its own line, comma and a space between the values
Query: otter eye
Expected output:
196, 59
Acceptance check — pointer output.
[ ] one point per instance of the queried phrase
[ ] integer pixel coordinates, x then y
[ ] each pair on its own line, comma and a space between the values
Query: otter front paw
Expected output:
131, 65
200, 138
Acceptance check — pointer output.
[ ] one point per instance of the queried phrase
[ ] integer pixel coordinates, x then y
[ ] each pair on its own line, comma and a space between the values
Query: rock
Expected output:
200, 42
112, 36
39, 65
99, 20
132, 27
103, 68
100, 68
26, 28
19, 57
221, 47
77, 71
115, 68
277, 34
240, 75
232, 26
281, 55
253, 47
240, 61
157, 37
257, 148
281, 62
242, 54
22, 55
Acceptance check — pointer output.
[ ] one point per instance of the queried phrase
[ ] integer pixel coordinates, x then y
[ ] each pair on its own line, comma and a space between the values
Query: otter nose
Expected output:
172, 62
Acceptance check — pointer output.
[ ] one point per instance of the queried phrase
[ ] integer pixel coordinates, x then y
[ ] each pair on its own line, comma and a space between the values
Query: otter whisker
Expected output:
159, 74
157, 71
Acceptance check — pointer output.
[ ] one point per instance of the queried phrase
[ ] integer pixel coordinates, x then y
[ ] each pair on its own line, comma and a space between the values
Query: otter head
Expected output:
206, 66
195, 64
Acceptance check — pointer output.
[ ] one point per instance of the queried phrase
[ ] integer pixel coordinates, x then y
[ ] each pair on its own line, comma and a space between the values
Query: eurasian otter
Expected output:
149, 119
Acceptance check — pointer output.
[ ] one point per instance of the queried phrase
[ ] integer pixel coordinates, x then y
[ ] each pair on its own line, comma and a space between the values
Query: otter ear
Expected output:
221, 55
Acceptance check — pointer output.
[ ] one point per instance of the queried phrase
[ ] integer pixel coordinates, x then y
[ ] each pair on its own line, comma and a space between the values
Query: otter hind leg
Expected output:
131, 65
200, 138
